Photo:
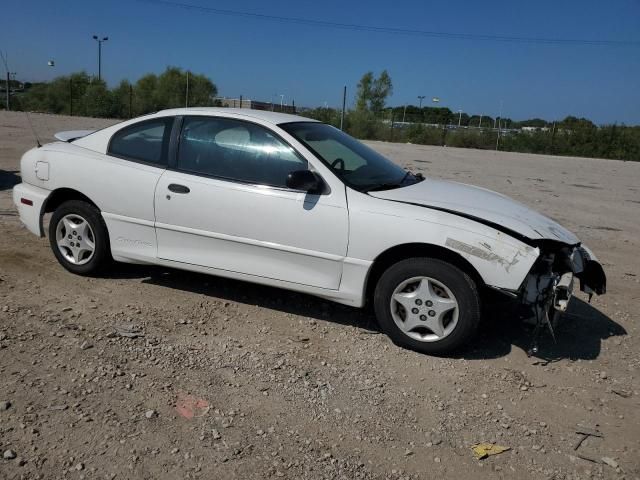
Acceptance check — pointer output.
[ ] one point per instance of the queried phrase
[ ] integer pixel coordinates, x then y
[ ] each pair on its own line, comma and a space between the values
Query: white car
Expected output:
290, 202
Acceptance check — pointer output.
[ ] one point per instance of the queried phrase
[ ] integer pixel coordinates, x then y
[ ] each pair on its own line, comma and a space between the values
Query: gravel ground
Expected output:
156, 373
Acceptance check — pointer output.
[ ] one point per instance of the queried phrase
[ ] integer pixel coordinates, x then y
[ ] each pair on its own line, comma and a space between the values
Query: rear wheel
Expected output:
427, 305
79, 237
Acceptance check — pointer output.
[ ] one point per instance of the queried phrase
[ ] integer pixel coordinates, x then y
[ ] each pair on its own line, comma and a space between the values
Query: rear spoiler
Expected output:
72, 135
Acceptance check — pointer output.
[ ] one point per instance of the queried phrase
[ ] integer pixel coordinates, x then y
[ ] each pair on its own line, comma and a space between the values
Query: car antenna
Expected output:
33, 130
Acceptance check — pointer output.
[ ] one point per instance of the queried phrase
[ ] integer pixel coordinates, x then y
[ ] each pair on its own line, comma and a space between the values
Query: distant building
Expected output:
255, 105
535, 129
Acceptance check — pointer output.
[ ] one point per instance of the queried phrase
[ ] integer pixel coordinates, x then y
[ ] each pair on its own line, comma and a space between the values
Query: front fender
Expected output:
376, 225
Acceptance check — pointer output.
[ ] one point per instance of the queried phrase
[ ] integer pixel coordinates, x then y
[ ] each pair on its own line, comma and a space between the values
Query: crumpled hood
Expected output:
482, 204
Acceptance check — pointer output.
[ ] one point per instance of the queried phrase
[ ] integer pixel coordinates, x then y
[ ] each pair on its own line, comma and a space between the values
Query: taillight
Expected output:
26, 201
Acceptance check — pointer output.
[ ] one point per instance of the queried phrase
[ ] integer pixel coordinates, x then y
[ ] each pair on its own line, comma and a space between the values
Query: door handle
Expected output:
175, 188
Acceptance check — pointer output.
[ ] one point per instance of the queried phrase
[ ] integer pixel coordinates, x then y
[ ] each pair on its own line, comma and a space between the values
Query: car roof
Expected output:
267, 116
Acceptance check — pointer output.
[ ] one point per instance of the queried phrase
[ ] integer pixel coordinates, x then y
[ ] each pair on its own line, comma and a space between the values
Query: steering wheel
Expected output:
336, 162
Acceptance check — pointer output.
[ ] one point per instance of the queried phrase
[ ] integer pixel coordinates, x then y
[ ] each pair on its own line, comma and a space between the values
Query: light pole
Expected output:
344, 103
100, 40
6, 67
186, 95
500, 120
421, 97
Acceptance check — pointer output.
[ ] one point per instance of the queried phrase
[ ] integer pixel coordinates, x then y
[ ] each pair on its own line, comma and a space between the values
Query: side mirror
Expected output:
304, 180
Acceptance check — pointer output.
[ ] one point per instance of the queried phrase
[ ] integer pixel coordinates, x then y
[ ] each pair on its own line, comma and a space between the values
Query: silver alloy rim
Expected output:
424, 309
75, 239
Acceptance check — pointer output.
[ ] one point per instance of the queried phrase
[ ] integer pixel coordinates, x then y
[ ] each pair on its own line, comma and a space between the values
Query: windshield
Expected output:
357, 165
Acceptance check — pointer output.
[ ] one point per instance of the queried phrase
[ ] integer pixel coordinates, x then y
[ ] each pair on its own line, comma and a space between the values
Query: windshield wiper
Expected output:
404, 178
389, 186
381, 186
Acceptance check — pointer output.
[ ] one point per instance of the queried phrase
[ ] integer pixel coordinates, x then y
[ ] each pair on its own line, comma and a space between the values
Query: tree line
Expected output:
81, 94
370, 118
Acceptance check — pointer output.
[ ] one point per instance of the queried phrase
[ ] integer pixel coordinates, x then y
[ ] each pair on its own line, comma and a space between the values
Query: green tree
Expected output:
96, 101
372, 92
382, 88
59, 95
363, 93
169, 90
121, 96
324, 114
201, 91
144, 98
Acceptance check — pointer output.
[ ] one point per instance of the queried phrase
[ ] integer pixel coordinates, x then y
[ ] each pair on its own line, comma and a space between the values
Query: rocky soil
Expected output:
156, 373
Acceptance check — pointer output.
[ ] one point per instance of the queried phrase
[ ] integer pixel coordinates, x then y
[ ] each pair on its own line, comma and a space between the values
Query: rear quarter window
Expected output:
146, 142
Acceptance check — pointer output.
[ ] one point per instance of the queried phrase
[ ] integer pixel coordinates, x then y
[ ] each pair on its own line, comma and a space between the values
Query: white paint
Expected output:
481, 203
30, 214
42, 170
269, 232
324, 245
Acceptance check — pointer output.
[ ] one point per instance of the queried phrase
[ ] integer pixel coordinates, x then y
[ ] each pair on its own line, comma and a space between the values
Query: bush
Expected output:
484, 139
418, 133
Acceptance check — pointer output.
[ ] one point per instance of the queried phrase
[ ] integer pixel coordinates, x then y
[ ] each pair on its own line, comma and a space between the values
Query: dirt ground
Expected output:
157, 373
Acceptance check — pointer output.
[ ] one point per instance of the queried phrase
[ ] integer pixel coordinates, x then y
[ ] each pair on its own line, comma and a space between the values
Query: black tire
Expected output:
101, 254
458, 282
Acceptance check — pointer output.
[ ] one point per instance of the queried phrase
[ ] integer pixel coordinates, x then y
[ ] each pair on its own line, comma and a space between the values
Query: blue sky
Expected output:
257, 58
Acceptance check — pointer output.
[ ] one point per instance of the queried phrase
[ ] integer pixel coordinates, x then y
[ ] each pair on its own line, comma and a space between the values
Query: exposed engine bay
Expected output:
547, 289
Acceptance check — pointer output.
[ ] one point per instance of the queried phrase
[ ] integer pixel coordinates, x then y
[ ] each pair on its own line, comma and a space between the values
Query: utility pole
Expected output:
281, 101
130, 100
344, 102
421, 97
6, 67
459, 118
404, 112
186, 97
100, 40
480, 123
8, 94
70, 97
499, 120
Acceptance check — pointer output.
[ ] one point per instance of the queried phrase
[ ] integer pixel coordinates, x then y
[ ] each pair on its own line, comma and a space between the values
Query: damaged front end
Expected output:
548, 287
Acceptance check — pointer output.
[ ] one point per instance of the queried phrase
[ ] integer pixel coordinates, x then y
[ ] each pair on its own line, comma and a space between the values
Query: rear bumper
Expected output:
30, 200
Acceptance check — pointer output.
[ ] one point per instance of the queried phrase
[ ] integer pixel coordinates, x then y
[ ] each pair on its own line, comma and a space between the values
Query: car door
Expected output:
226, 206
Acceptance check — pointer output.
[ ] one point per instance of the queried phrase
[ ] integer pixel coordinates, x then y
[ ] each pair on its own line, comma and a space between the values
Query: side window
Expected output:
235, 150
146, 141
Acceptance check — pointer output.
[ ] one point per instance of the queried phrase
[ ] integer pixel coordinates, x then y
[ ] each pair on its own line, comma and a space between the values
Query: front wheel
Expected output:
79, 237
427, 305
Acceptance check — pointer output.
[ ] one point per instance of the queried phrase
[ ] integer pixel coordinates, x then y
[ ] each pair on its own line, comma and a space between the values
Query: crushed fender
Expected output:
484, 450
